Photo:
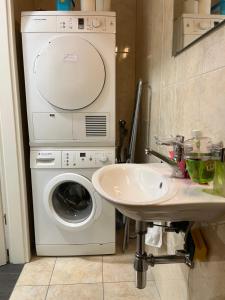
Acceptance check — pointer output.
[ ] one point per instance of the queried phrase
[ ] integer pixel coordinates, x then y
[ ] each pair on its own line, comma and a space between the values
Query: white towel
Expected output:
153, 236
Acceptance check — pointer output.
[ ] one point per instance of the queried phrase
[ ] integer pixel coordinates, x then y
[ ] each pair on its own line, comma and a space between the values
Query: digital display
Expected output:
81, 23
82, 154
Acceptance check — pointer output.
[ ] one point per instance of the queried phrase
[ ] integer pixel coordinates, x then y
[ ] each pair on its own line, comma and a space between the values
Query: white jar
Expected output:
191, 7
204, 7
88, 5
103, 5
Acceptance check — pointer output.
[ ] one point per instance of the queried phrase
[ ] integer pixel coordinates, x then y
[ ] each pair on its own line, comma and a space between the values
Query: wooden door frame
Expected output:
12, 154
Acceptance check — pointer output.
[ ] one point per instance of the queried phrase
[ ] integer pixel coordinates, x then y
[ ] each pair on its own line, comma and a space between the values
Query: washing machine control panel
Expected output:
86, 24
87, 159
71, 159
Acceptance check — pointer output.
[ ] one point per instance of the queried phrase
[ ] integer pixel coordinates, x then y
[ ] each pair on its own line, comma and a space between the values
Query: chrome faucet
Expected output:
178, 150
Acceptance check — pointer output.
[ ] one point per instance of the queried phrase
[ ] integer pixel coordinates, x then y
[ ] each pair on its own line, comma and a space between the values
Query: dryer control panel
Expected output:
71, 159
74, 21
86, 24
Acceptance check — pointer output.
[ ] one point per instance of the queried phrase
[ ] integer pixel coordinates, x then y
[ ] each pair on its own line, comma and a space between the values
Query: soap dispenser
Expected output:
199, 160
219, 178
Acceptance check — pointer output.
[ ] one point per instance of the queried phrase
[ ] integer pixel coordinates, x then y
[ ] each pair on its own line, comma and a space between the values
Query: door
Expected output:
69, 72
3, 256
71, 201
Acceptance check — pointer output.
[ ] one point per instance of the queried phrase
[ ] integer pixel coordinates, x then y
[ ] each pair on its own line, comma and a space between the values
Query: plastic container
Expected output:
64, 5
103, 5
190, 6
204, 7
88, 5
222, 7
219, 179
199, 158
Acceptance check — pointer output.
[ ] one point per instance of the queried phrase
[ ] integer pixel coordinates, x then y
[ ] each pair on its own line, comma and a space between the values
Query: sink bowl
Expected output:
147, 192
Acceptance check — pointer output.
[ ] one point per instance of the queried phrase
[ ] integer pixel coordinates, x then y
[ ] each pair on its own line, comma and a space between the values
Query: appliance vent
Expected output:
96, 126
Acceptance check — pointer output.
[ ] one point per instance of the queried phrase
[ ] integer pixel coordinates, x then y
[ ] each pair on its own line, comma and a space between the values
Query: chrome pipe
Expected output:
140, 262
166, 259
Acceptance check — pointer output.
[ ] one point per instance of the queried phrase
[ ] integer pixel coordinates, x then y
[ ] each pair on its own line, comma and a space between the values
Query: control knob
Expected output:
103, 158
96, 23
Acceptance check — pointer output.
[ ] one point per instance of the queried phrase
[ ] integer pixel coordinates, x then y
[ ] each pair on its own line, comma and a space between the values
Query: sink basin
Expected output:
147, 192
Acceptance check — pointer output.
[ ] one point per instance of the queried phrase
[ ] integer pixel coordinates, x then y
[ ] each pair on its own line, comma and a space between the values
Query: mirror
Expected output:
194, 19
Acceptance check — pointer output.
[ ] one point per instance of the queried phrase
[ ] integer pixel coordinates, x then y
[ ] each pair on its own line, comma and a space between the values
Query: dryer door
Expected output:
69, 72
71, 201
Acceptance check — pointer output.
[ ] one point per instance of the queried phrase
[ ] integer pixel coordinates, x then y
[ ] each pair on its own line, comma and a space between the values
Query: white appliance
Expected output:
70, 217
69, 64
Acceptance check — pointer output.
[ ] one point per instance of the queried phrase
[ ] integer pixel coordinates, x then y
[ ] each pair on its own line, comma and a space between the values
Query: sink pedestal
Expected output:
142, 260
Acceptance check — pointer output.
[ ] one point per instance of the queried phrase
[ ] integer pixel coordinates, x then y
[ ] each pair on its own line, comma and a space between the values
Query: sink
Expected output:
147, 192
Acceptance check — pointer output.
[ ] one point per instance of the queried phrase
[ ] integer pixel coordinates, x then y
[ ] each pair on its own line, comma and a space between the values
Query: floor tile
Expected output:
118, 268
37, 272
74, 270
128, 291
170, 272
172, 289
29, 293
79, 292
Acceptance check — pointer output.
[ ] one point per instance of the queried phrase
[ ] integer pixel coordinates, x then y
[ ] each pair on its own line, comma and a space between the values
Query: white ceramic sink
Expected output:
148, 192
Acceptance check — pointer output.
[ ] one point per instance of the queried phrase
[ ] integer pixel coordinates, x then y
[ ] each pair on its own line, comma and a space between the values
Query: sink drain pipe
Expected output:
142, 260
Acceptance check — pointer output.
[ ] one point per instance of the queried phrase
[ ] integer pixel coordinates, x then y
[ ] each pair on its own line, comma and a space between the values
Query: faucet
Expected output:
178, 150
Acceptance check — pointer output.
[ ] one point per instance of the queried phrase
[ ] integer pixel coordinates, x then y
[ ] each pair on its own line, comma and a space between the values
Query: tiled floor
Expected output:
96, 278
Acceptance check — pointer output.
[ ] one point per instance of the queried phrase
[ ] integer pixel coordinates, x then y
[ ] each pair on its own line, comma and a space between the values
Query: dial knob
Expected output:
96, 23
103, 158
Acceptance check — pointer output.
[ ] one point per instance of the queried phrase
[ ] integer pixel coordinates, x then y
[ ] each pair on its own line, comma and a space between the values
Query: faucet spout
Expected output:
161, 156
178, 150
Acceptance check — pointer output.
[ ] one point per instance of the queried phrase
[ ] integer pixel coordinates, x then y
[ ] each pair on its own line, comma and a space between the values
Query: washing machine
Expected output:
69, 66
70, 218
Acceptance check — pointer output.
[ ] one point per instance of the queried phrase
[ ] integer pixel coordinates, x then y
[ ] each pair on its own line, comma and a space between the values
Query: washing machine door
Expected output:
69, 72
71, 201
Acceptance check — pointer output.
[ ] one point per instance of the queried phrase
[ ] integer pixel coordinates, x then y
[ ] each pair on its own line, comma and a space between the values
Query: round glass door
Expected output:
69, 72
72, 202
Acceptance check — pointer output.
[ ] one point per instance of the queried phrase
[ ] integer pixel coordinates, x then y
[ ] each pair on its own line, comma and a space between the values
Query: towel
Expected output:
153, 236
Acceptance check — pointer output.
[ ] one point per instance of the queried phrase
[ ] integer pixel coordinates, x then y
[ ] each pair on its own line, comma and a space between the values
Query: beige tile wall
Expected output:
188, 92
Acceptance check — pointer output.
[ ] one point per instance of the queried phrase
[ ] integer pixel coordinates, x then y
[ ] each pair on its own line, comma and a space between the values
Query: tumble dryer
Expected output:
69, 64
70, 218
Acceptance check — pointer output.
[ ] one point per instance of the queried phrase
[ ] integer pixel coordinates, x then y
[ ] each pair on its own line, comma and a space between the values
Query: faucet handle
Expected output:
171, 141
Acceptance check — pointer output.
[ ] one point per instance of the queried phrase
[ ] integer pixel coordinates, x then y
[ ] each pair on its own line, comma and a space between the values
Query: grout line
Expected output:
103, 290
158, 290
50, 279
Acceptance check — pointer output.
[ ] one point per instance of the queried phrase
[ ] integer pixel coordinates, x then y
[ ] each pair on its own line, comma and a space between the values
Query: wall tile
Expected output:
212, 105
190, 63
214, 51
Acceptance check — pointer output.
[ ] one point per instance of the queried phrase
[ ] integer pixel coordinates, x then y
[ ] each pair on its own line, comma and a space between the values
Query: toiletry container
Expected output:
219, 178
190, 7
222, 7
103, 5
64, 5
88, 5
199, 158
204, 7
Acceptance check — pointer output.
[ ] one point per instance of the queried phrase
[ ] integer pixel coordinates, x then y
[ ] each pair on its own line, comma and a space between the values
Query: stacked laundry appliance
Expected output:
69, 63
